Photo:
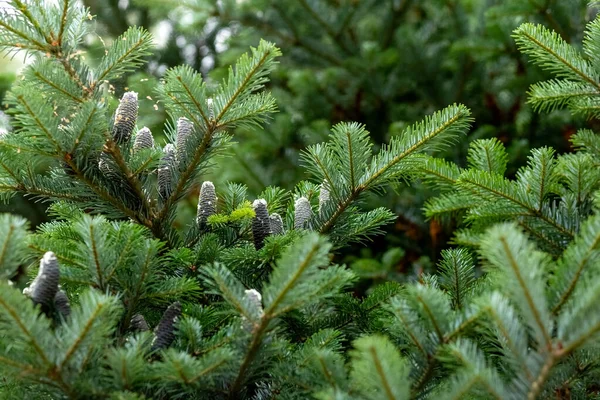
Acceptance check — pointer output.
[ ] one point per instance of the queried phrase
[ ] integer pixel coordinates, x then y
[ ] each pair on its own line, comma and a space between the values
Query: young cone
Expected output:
184, 129
276, 224
125, 117
143, 140
164, 333
138, 323
45, 285
324, 195
207, 202
165, 180
260, 223
302, 213
61, 304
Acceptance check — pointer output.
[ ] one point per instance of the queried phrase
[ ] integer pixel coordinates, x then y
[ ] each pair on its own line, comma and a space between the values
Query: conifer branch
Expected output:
22, 7
81, 336
525, 290
63, 22
443, 121
537, 40
57, 87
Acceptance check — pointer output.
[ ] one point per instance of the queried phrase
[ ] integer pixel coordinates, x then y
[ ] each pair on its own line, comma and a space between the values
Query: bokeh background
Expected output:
384, 63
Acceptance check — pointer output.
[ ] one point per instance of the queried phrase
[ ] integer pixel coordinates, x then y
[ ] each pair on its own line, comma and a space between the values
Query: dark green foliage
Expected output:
248, 297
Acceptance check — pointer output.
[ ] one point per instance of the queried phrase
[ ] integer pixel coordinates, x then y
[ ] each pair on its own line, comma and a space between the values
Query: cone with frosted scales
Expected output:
207, 202
184, 130
260, 223
125, 117
164, 333
276, 224
165, 179
62, 305
143, 140
138, 323
324, 195
302, 213
45, 285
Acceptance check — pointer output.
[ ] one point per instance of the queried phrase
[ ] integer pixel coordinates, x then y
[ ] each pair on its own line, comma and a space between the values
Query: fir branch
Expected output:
63, 22
125, 54
449, 120
553, 53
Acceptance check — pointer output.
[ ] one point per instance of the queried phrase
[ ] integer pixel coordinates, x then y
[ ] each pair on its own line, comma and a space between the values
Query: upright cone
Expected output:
207, 202
302, 213
143, 140
45, 285
164, 333
260, 223
165, 172
125, 117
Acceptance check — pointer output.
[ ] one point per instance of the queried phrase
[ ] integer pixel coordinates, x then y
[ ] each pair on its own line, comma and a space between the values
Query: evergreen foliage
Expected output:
248, 300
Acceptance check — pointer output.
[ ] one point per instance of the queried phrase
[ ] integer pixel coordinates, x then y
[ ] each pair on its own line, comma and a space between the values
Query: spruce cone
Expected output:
138, 323
256, 299
164, 333
165, 180
143, 140
125, 117
61, 304
104, 165
184, 129
302, 213
324, 195
276, 224
260, 223
45, 285
211, 109
207, 202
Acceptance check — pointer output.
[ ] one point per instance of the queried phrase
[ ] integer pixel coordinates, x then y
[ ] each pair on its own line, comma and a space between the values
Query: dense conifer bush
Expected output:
246, 301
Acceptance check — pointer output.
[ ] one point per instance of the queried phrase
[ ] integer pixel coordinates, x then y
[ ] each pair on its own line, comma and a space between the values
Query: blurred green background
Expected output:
384, 63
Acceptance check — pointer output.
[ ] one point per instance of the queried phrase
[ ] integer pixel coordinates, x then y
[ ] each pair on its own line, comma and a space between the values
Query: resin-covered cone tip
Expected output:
164, 333
62, 305
302, 213
45, 285
165, 178
143, 140
138, 323
125, 117
276, 224
207, 202
260, 223
184, 131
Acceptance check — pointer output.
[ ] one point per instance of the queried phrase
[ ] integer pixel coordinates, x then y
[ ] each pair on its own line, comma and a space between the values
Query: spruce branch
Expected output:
522, 266
388, 165
250, 75
552, 53
124, 55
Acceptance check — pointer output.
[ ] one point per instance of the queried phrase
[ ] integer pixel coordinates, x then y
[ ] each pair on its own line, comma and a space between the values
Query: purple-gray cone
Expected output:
276, 224
260, 223
143, 140
138, 323
302, 213
207, 202
184, 130
164, 333
125, 117
165, 170
45, 285
61, 304
324, 195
